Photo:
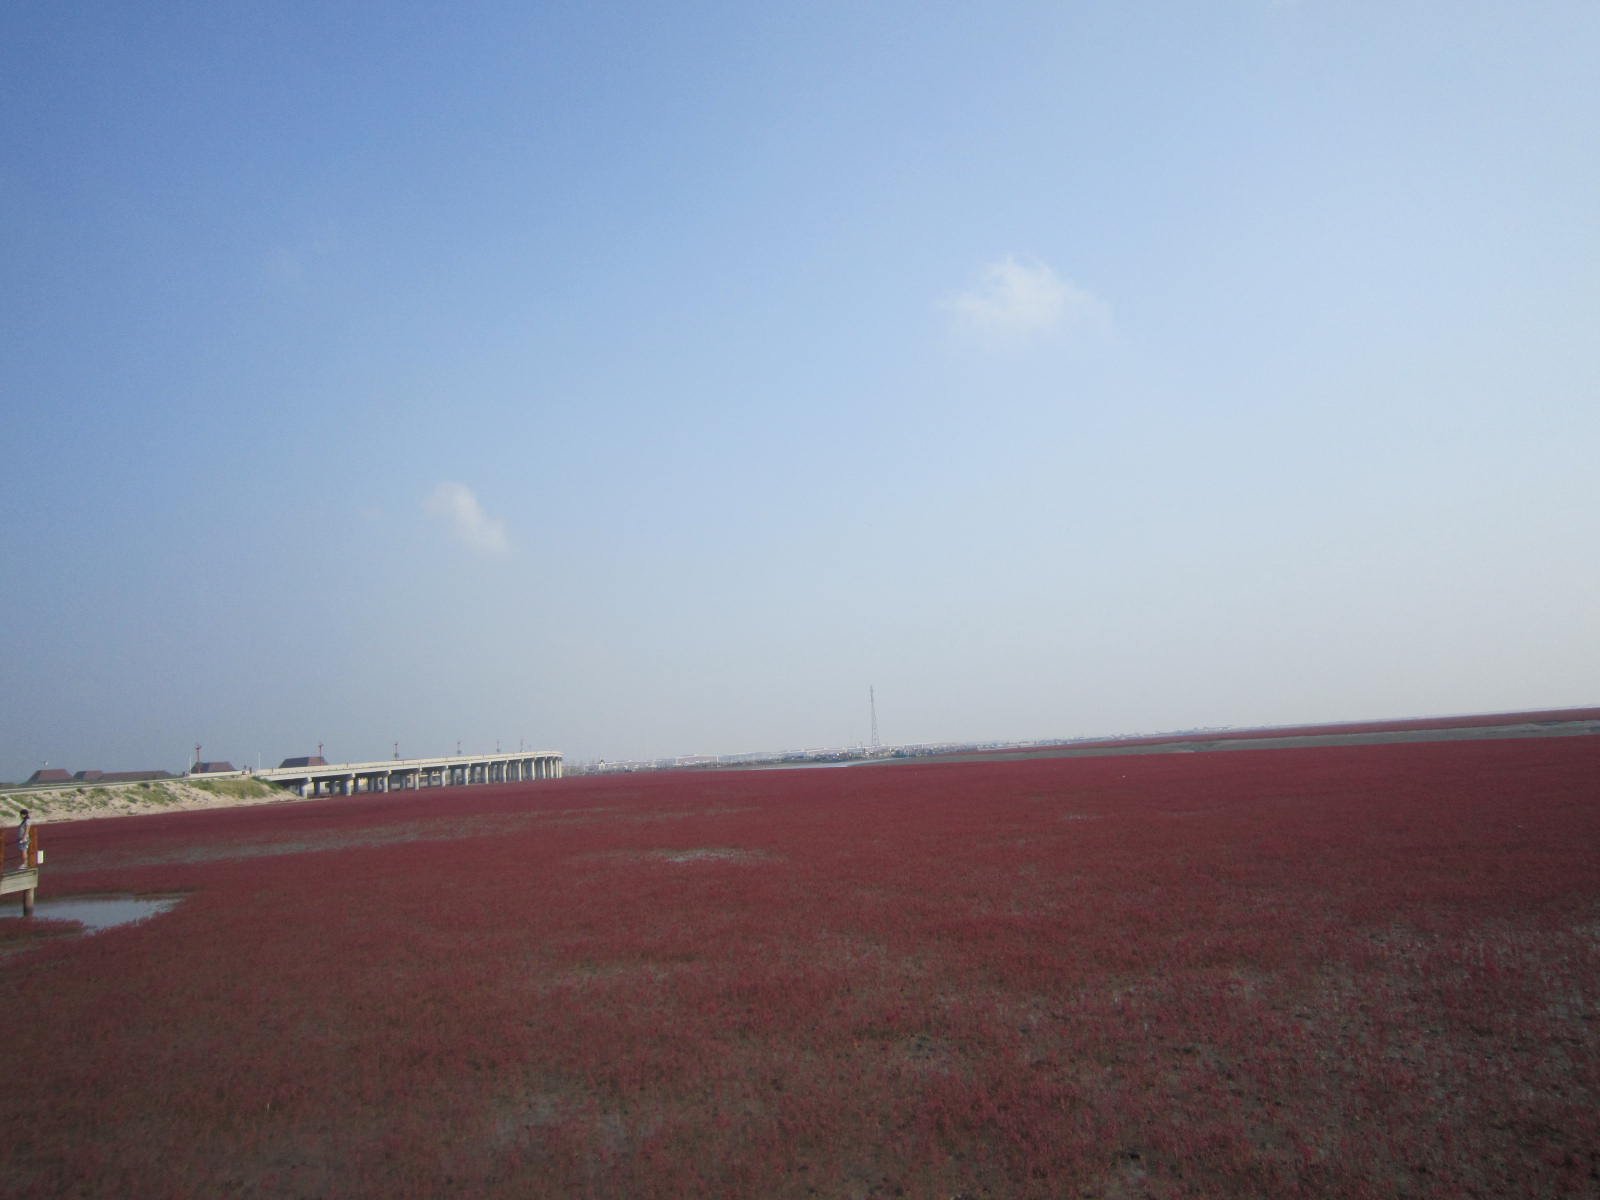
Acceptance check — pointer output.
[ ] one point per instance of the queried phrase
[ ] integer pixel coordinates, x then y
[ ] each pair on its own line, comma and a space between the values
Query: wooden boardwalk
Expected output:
26, 882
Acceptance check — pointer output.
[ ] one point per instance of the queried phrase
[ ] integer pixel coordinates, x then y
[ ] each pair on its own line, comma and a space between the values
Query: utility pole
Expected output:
872, 701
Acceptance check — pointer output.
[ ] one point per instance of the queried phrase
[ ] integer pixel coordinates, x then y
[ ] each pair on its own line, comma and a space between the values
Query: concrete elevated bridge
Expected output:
404, 774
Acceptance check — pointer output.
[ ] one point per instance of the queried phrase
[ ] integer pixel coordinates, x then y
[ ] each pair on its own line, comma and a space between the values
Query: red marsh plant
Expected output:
1365, 971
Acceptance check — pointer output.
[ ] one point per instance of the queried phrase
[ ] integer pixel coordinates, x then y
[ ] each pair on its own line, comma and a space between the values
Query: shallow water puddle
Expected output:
103, 912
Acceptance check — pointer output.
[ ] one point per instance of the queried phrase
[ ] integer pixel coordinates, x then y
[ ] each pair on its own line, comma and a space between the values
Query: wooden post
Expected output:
26, 878
21, 881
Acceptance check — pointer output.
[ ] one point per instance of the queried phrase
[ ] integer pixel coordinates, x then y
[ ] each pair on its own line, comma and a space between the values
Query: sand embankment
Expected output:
93, 800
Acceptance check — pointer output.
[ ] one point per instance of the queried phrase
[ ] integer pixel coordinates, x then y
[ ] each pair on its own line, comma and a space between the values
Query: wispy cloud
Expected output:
474, 528
1015, 301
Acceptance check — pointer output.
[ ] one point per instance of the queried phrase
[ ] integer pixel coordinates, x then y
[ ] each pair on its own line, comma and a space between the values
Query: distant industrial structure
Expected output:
209, 768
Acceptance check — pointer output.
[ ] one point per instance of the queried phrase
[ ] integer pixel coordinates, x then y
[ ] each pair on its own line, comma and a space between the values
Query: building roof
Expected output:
210, 768
305, 760
50, 775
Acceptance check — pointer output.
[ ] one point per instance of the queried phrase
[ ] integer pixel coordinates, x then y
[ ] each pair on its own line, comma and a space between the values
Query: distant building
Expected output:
210, 768
50, 775
305, 760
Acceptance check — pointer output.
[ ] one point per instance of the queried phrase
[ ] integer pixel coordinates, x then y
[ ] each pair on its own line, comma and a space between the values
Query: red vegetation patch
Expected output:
1364, 971
15, 932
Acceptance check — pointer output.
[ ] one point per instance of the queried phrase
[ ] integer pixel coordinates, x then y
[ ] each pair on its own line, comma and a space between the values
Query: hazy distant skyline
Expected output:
650, 381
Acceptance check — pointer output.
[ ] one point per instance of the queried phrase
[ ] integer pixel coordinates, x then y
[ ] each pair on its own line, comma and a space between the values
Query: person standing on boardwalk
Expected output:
24, 832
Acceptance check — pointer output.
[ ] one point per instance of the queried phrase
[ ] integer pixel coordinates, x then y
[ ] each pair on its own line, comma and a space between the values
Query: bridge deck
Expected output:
405, 773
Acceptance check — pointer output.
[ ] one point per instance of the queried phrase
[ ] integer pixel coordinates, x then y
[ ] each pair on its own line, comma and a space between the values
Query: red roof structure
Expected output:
50, 775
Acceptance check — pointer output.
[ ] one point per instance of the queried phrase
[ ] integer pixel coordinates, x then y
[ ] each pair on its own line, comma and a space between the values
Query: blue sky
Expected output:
639, 380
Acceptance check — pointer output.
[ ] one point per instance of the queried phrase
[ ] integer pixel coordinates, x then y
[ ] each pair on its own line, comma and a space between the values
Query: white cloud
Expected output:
472, 526
1017, 302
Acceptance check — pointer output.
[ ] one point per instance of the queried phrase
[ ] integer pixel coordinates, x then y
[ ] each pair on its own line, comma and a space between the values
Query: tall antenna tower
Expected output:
872, 701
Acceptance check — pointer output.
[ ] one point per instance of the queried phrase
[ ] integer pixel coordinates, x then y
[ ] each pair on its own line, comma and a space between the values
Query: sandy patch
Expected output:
92, 801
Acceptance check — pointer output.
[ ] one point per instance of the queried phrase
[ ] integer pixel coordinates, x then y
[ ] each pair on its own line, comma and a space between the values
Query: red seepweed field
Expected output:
1360, 971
